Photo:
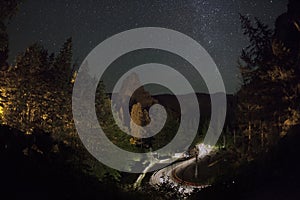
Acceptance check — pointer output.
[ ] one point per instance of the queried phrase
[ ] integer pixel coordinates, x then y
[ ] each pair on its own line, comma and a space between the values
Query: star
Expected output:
213, 23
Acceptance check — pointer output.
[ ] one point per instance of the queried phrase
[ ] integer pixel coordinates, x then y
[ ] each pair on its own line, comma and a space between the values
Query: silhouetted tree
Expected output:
8, 9
266, 101
63, 63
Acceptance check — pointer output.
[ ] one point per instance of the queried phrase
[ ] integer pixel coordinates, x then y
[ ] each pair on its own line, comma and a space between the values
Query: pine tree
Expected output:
103, 107
267, 97
63, 63
8, 9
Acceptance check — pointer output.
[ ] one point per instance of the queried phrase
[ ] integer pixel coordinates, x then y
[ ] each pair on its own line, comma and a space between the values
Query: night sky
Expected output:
214, 23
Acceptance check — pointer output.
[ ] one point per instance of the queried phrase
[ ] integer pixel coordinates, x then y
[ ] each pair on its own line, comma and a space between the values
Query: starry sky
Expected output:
213, 23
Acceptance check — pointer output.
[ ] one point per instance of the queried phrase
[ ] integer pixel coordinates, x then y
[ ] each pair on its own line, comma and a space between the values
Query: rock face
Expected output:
139, 118
286, 42
131, 81
140, 96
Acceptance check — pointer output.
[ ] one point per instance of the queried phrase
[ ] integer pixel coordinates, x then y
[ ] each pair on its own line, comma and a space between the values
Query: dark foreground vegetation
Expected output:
273, 175
37, 167
31, 168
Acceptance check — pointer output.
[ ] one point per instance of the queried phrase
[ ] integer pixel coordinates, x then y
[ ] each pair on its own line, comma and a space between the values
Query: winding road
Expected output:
169, 174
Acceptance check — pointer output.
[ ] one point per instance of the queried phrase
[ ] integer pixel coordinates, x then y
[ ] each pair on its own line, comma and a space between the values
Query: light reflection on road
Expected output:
166, 174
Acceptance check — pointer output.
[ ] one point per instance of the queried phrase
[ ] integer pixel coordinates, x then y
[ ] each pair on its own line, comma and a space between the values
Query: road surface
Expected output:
169, 174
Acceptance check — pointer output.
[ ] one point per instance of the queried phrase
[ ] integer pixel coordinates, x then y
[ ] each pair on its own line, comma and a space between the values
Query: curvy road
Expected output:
160, 176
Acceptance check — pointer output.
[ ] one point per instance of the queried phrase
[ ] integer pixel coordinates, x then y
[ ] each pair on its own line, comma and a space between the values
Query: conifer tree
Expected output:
63, 63
266, 101
8, 9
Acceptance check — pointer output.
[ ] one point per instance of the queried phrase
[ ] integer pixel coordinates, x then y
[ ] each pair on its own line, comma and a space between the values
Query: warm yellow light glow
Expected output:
74, 77
3, 93
44, 116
